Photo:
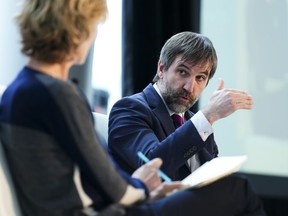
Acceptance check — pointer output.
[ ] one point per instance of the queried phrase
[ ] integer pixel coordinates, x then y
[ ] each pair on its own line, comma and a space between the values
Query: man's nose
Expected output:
189, 85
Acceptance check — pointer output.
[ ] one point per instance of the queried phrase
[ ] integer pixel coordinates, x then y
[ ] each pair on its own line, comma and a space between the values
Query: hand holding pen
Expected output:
150, 174
161, 173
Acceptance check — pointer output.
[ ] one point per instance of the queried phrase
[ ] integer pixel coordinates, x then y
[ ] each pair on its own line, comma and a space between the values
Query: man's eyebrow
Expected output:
204, 72
184, 64
188, 66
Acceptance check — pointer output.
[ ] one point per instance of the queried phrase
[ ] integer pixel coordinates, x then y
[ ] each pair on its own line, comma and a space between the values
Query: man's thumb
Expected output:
221, 84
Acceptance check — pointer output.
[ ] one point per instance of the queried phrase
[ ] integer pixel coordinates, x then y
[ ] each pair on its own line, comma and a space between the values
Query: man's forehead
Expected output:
189, 63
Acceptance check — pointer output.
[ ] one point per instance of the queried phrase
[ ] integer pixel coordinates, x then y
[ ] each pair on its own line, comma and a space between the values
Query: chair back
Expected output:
9, 205
101, 124
8, 201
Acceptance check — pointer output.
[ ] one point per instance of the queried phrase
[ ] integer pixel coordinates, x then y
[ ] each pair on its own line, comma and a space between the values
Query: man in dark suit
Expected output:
142, 121
146, 122
158, 123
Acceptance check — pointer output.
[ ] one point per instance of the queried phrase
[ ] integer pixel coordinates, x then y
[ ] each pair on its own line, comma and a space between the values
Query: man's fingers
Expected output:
244, 104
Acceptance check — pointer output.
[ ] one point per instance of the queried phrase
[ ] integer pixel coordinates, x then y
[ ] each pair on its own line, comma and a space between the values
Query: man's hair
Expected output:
193, 47
51, 30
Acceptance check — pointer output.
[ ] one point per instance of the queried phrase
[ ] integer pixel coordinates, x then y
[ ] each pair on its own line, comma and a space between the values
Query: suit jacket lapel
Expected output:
187, 115
159, 109
162, 114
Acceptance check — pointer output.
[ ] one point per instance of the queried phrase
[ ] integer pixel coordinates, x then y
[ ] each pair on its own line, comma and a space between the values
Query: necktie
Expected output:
177, 120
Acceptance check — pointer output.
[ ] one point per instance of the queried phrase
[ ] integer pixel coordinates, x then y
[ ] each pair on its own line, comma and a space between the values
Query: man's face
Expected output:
182, 84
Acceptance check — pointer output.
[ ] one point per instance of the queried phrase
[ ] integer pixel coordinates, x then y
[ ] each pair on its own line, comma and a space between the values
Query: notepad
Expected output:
213, 170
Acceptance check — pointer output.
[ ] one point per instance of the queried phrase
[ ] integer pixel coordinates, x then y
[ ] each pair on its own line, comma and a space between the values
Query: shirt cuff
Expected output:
202, 125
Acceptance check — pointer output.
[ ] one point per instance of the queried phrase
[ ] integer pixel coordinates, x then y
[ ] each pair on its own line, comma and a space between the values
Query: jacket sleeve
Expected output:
134, 127
102, 181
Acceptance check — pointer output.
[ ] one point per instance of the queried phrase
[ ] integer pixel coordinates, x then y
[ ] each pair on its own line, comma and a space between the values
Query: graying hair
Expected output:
193, 47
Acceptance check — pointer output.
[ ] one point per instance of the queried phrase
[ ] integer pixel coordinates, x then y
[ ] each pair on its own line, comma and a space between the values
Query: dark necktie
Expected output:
177, 120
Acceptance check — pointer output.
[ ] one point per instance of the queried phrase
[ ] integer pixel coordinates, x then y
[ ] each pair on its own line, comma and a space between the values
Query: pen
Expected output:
161, 173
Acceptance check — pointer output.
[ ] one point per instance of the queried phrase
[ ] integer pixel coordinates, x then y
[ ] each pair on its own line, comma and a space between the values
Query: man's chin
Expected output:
180, 109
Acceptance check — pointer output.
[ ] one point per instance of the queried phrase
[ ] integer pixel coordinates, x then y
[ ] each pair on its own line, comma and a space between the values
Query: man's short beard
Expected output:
179, 107
172, 96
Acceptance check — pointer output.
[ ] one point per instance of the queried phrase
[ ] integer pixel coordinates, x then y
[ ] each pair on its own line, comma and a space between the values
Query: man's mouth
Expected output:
185, 99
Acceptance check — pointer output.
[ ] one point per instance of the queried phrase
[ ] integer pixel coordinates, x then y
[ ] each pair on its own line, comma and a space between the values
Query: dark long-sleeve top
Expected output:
47, 132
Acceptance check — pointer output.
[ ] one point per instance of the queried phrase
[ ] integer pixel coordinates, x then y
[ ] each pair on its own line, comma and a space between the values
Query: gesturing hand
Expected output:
224, 102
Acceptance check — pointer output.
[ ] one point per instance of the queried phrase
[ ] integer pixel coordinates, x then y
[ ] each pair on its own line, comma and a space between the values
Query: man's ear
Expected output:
160, 70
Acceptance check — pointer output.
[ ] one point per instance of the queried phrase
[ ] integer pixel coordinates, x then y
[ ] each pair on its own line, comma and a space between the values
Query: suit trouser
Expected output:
229, 196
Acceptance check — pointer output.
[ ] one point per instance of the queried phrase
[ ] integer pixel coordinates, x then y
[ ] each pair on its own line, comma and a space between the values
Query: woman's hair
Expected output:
51, 30
193, 47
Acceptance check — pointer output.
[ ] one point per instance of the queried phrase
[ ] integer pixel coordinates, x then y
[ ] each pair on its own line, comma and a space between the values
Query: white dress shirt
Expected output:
201, 124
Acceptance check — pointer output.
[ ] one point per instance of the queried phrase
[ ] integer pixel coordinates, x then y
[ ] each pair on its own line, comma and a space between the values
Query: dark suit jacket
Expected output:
141, 122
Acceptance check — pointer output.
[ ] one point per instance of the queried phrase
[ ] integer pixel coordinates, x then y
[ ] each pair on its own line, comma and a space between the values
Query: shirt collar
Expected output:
169, 111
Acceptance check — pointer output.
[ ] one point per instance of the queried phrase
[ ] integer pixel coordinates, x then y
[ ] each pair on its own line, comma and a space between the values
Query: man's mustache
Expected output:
184, 93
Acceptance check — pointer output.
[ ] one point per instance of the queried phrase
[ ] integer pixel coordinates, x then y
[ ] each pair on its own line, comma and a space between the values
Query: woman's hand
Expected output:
148, 173
164, 189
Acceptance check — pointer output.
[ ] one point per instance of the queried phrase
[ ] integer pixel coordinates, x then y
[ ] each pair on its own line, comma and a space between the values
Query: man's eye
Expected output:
183, 72
201, 78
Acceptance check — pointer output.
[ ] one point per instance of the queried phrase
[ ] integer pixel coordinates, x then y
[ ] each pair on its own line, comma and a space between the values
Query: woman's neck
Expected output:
56, 70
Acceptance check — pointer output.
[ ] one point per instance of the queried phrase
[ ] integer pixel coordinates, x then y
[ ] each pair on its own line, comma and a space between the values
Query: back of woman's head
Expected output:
51, 30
